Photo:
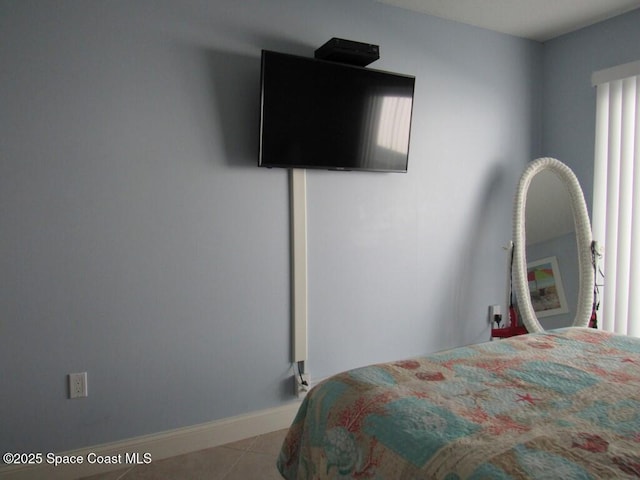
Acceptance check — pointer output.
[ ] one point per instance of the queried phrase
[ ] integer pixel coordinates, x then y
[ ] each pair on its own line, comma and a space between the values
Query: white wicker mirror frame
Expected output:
583, 240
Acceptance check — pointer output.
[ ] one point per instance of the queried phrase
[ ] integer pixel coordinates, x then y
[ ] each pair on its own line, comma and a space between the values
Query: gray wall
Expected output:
569, 100
140, 243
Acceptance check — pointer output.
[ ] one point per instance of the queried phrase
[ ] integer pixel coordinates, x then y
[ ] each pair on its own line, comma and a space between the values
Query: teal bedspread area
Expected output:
563, 404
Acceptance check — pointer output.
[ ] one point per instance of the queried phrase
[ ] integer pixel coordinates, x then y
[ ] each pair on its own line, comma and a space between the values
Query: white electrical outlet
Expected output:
301, 388
78, 385
495, 315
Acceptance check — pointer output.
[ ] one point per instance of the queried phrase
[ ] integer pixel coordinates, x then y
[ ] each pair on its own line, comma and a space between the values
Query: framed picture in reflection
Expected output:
545, 287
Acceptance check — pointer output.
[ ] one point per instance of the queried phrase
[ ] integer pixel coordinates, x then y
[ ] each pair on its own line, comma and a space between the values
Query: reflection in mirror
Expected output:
550, 234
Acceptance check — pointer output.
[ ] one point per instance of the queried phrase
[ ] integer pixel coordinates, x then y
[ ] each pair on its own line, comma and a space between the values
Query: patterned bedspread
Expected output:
560, 405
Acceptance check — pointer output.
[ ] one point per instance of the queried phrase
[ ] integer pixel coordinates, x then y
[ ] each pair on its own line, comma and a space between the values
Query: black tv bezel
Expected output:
333, 65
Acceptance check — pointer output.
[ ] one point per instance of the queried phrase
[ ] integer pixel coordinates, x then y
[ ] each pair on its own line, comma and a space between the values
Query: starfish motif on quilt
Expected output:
352, 418
504, 423
527, 398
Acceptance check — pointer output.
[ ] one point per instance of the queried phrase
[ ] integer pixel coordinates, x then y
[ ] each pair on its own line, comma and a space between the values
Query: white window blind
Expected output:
616, 195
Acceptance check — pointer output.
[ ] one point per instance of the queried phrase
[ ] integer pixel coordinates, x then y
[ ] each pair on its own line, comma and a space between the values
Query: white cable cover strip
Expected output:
298, 205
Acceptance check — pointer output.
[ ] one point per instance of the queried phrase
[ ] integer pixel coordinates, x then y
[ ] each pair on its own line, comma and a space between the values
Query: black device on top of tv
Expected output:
348, 51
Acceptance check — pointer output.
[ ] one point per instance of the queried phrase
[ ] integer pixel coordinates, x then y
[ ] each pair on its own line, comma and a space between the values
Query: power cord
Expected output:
300, 368
595, 257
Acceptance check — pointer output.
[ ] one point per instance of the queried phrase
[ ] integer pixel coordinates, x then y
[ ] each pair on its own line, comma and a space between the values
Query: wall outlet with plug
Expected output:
78, 385
495, 316
302, 384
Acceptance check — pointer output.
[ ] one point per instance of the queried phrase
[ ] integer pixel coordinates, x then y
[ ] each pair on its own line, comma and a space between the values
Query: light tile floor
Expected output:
253, 458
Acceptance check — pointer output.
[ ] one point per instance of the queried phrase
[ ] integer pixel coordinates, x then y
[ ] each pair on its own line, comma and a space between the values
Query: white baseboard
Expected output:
159, 445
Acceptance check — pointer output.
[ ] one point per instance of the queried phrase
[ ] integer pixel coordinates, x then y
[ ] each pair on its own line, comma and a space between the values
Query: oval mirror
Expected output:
540, 279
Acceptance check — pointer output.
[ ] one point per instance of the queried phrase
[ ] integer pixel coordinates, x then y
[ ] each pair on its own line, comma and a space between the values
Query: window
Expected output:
616, 195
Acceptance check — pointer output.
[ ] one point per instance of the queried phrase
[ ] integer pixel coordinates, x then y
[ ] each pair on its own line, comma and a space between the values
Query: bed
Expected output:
561, 404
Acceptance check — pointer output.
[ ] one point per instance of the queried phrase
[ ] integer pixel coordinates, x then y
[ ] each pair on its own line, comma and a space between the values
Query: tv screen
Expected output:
321, 114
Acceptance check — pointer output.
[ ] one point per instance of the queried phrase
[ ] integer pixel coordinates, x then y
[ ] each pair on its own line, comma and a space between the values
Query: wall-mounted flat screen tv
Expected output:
321, 114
